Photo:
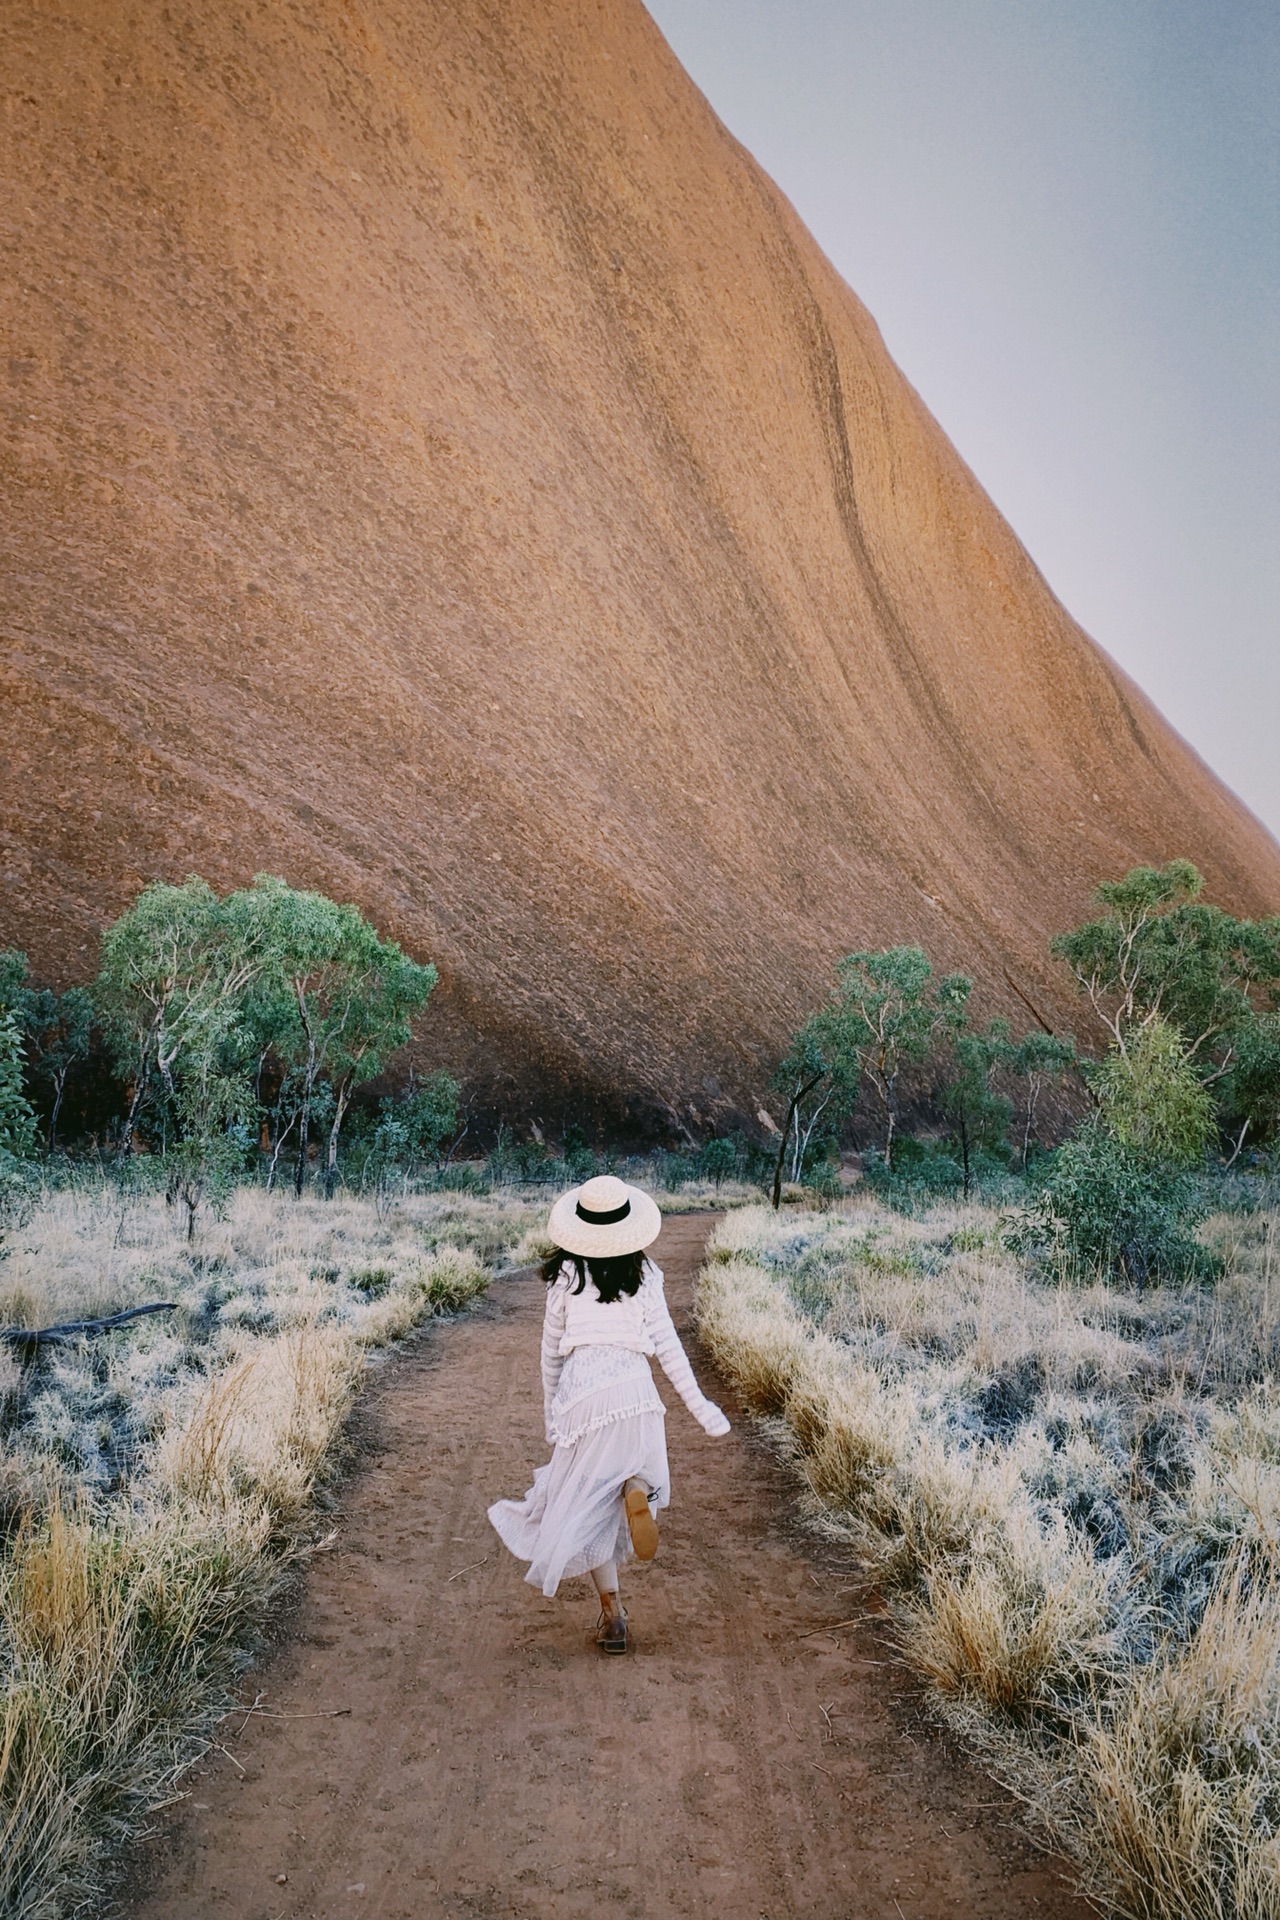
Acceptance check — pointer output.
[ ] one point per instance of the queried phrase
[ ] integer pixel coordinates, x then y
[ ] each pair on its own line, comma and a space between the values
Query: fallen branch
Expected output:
28, 1339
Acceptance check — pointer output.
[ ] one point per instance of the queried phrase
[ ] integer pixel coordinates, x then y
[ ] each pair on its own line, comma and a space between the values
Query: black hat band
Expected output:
594, 1219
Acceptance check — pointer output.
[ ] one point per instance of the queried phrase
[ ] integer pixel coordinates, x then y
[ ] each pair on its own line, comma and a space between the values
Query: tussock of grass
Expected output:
1071, 1498
158, 1484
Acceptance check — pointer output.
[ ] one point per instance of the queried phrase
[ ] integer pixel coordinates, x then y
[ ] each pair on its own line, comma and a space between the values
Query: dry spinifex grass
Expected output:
1071, 1498
156, 1487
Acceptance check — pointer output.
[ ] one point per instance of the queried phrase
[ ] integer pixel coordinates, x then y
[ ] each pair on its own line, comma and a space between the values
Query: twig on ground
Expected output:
467, 1569
258, 1711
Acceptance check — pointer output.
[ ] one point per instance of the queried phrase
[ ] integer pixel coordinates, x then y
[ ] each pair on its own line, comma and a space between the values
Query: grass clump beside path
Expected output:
158, 1483
1071, 1500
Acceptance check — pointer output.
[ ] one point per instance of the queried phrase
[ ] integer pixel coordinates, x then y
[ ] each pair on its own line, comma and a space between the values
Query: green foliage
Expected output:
717, 1159
1118, 1198
886, 1011
1151, 1099
333, 1002
177, 970
203, 995
921, 1171
13, 978
56, 1028
1108, 1210
981, 1115
431, 1114
207, 1160
1157, 950
1032, 1063
17, 1121
1250, 1093
818, 1079
410, 1132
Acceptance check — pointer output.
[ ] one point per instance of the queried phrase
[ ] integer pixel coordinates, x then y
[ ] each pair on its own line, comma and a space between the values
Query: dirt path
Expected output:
737, 1766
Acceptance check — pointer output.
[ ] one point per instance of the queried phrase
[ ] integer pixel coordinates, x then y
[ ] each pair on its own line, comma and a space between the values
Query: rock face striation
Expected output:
440, 468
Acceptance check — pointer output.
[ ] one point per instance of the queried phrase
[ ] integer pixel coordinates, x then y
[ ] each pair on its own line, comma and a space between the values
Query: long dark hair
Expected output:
611, 1278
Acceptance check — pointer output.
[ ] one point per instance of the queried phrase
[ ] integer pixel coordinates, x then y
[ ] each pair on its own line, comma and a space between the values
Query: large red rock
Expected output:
440, 468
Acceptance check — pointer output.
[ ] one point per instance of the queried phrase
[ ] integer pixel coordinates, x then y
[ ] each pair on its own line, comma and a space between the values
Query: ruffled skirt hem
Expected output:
572, 1518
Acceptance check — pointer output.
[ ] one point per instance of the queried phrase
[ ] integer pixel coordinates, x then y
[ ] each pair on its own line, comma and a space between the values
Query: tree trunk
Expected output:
1240, 1142
1033, 1095
304, 1129
282, 1134
131, 1118
308, 1088
331, 1161
59, 1088
786, 1131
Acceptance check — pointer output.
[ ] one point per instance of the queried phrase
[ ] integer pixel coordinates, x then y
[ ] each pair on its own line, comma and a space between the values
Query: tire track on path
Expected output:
738, 1765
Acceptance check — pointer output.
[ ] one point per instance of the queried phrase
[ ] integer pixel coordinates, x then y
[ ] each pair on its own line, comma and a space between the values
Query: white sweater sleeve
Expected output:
674, 1361
552, 1358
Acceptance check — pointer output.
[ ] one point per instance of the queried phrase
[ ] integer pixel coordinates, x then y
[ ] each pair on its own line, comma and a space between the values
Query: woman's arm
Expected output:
552, 1358
674, 1361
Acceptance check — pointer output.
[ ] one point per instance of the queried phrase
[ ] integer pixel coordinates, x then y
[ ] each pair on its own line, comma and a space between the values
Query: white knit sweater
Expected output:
640, 1322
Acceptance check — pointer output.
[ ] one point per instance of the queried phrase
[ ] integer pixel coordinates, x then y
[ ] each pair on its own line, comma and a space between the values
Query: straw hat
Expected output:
604, 1217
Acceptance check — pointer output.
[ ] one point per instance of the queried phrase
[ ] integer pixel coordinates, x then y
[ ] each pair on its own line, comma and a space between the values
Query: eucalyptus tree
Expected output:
1151, 1098
57, 1029
1034, 1061
1157, 951
819, 1081
177, 970
969, 1098
17, 1121
1250, 1092
333, 1002
887, 1012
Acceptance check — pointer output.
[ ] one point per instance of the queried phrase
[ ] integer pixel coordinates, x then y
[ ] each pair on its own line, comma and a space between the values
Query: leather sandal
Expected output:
641, 1524
611, 1633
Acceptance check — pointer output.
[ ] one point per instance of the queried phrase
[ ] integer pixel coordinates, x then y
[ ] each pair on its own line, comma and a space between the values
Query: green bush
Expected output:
717, 1159
920, 1170
1151, 1098
1106, 1208
17, 1121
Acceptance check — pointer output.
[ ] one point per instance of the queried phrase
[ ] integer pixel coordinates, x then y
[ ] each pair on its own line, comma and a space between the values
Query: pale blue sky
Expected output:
1065, 216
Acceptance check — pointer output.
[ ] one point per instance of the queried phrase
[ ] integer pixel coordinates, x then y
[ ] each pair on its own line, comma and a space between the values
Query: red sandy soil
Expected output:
438, 466
742, 1763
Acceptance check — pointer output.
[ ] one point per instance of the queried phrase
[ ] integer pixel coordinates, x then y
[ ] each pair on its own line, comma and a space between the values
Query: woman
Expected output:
606, 1312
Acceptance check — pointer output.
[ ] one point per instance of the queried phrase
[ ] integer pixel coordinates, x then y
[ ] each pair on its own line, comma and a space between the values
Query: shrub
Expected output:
717, 1159
17, 1121
920, 1170
1151, 1098
1106, 1209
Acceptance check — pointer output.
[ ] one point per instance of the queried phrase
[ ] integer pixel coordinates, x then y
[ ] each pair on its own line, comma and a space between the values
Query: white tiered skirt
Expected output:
607, 1423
